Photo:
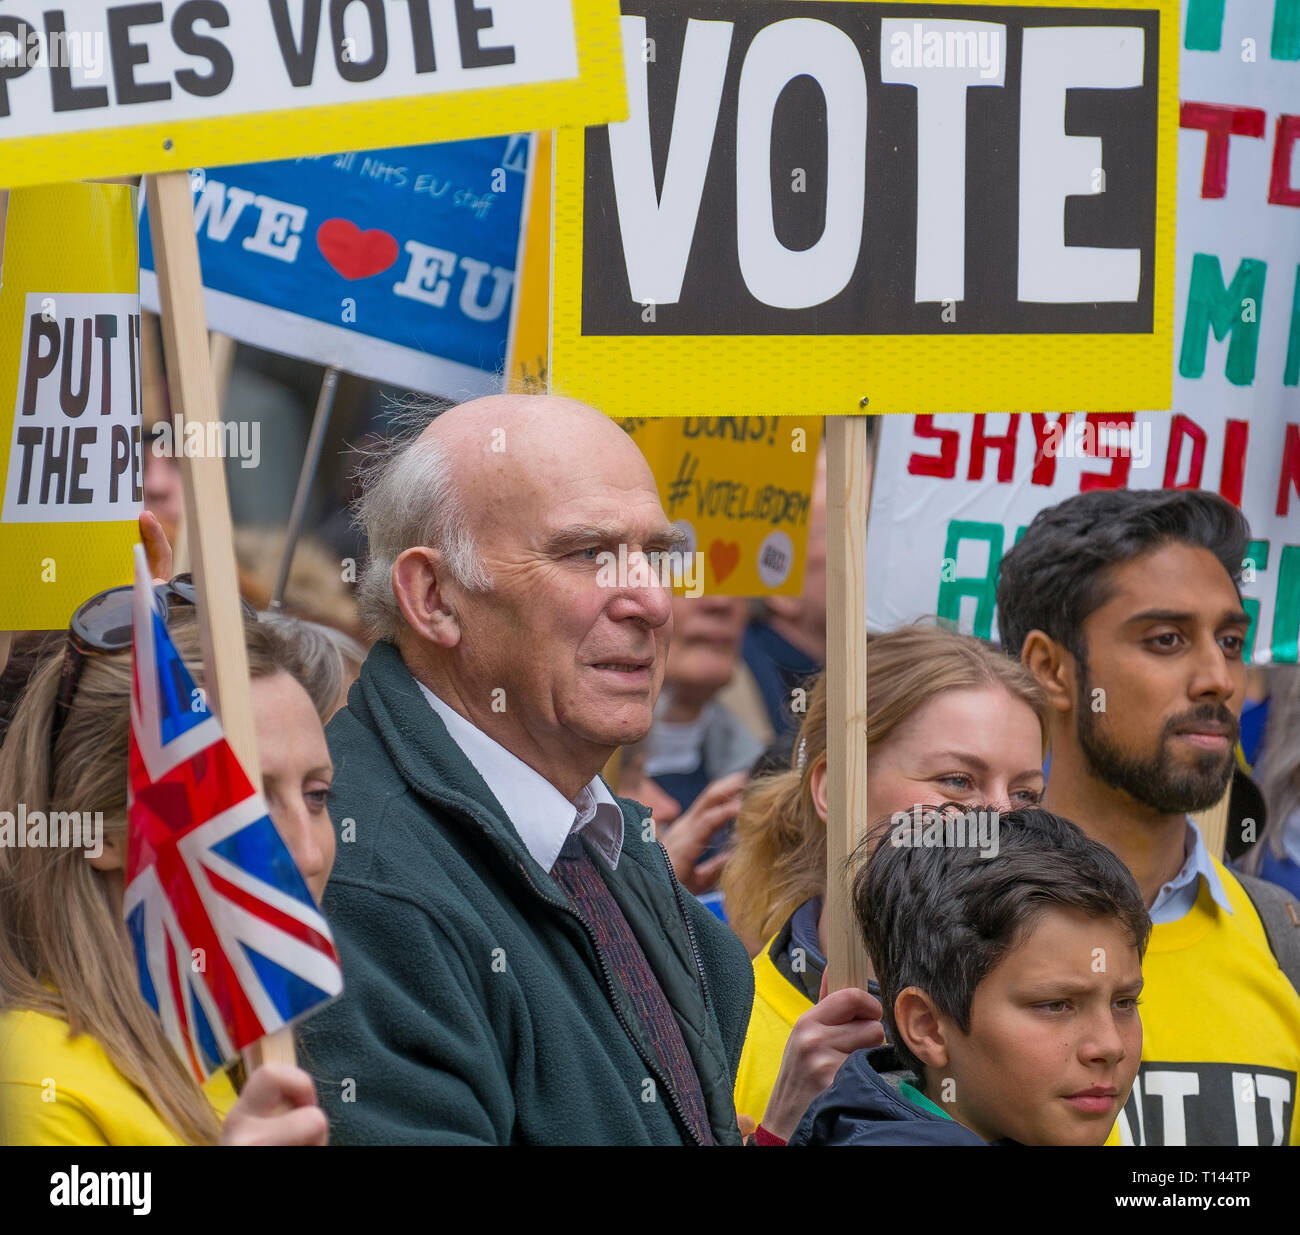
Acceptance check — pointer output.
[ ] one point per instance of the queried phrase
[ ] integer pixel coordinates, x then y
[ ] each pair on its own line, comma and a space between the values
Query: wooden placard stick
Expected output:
847, 499
207, 508
222, 349
1213, 822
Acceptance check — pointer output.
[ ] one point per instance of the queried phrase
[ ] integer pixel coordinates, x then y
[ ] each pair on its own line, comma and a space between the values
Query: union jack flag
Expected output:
228, 942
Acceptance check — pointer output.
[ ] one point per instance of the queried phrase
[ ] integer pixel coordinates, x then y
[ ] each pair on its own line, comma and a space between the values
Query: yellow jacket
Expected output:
59, 1090
777, 1005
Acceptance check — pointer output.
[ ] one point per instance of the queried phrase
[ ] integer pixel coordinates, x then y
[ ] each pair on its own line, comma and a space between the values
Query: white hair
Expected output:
409, 497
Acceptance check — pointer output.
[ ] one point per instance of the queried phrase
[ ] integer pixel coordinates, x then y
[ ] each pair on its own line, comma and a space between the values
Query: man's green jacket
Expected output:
476, 1007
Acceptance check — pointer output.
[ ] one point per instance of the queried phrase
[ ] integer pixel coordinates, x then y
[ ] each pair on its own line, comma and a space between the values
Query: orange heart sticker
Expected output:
723, 557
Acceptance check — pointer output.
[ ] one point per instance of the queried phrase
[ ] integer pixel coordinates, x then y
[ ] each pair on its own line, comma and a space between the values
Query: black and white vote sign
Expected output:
857, 168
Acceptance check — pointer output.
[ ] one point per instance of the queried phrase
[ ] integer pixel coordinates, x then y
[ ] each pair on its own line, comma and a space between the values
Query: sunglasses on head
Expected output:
106, 623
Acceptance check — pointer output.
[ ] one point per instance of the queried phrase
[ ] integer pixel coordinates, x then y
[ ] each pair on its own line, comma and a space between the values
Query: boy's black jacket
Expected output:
863, 1106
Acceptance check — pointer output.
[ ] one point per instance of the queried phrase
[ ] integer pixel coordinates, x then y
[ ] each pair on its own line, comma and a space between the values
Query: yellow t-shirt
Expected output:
777, 1005
1220, 1034
57, 1090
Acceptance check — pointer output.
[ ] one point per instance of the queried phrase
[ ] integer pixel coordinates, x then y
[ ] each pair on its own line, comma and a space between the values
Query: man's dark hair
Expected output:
1057, 575
942, 918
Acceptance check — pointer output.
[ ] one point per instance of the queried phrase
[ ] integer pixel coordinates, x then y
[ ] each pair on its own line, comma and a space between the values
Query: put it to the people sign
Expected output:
70, 414
97, 88
838, 207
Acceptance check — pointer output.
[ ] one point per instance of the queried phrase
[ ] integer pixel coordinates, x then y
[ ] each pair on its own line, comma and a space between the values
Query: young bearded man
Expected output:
1125, 606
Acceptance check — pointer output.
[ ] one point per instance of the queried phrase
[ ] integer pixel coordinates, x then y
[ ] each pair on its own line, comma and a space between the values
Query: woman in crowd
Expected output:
83, 1058
949, 720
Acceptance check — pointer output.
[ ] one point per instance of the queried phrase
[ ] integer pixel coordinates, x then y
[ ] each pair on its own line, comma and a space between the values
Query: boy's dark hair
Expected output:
942, 918
1057, 575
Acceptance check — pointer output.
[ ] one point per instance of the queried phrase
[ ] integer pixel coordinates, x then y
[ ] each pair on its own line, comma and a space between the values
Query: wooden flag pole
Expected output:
221, 350
207, 508
847, 498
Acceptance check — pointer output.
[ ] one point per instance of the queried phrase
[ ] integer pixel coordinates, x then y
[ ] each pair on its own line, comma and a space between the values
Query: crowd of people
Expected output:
582, 897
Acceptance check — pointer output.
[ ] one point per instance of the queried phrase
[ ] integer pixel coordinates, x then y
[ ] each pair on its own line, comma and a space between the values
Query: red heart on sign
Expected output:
723, 556
353, 253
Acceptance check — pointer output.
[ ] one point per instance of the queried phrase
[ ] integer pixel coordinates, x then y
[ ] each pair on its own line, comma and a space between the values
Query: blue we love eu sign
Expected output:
396, 264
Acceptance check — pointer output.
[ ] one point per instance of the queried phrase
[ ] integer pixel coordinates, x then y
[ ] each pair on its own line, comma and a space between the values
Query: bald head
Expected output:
508, 450
541, 415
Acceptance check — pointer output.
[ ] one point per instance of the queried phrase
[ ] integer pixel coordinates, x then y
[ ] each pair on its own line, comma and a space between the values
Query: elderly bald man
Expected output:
520, 963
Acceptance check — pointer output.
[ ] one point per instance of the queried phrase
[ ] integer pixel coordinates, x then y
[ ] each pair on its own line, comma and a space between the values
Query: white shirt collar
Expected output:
541, 815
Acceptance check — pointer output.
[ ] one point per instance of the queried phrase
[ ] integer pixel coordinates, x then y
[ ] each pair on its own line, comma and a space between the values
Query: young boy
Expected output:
1010, 985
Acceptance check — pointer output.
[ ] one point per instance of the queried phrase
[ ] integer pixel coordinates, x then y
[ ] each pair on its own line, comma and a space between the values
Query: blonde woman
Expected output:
83, 1059
950, 719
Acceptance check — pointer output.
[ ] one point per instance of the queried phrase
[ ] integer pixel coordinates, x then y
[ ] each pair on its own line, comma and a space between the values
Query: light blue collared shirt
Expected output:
1176, 898
542, 816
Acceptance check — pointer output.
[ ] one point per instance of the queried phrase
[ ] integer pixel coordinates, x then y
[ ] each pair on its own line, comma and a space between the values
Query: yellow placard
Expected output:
167, 87
741, 488
527, 359
677, 202
70, 419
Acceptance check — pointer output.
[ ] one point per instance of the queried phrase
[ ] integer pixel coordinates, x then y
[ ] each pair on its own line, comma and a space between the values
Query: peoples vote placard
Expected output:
95, 88
846, 206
